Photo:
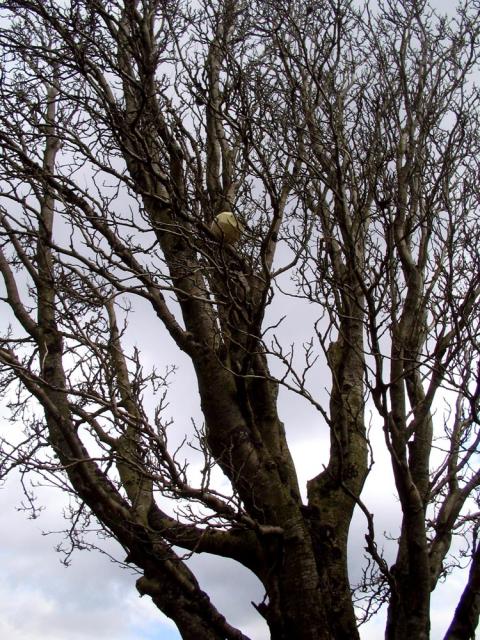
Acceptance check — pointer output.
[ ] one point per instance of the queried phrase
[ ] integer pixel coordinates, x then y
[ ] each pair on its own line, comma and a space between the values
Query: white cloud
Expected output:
232, 588
40, 598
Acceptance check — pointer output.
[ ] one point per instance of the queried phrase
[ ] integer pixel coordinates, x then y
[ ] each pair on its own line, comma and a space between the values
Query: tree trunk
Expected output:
465, 620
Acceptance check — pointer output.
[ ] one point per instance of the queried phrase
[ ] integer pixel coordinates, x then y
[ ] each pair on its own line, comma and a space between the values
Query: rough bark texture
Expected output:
465, 620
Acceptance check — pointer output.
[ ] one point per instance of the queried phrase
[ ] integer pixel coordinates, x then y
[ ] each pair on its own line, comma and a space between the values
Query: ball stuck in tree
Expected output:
226, 228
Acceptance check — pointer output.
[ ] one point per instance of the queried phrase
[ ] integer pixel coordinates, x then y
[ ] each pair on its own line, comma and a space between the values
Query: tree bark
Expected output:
465, 620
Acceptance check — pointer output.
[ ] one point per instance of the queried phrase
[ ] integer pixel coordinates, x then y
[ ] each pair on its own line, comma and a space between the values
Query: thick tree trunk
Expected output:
248, 441
332, 494
297, 607
409, 607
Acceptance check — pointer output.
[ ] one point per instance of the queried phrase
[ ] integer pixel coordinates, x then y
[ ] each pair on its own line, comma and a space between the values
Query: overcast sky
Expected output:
42, 599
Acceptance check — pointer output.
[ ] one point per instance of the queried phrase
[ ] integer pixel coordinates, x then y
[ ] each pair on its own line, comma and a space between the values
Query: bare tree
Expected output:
345, 142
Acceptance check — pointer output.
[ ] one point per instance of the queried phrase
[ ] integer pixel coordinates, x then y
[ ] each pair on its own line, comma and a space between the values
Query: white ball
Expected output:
226, 227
